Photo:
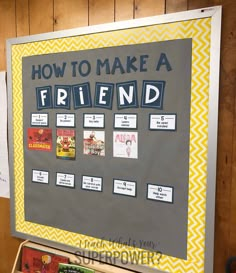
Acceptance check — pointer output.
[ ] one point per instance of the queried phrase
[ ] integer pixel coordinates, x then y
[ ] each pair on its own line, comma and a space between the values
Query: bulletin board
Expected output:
113, 133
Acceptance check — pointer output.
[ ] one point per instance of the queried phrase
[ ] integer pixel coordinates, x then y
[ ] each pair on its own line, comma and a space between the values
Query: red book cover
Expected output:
40, 139
37, 261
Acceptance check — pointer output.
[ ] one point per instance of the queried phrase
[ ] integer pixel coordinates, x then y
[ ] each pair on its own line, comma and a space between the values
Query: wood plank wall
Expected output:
24, 17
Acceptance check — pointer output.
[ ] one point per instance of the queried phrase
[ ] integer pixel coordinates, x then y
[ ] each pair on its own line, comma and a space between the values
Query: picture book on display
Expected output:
37, 261
73, 268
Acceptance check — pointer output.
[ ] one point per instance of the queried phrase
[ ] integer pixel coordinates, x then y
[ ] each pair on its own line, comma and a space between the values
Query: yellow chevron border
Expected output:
199, 30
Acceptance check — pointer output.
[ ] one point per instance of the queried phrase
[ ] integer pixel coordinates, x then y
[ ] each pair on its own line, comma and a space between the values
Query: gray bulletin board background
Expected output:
163, 157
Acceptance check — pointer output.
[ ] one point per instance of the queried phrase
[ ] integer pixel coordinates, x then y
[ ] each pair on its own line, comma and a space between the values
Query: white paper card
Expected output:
4, 168
124, 187
127, 121
94, 120
65, 120
92, 183
65, 179
39, 119
163, 122
160, 193
40, 176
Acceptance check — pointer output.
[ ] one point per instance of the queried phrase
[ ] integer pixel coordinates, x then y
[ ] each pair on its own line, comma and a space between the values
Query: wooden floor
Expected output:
24, 17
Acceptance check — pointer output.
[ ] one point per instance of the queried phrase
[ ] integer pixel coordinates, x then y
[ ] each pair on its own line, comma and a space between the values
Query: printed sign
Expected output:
124, 187
40, 176
94, 120
65, 120
162, 122
160, 193
39, 119
65, 180
91, 183
127, 121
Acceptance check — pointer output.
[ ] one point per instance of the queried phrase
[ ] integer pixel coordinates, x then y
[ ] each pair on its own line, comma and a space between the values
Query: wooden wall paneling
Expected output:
8, 244
225, 144
70, 14
124, 10
232, 218
198, 4
41, 16
144, 8
22, 18
175, 6
229, 44
224, 167
101, 11
7, 27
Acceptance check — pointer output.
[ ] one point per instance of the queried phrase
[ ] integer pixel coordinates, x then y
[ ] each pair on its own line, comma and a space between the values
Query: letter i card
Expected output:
65, 144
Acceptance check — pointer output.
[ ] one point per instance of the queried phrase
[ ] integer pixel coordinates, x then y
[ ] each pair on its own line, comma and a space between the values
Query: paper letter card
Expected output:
40, 176
94, 121
126, 121
160, 193
166, 122
91, 183
125, 144
65, 180
40, 139
94, 143
65, 144
124, 187
65, 120
39, 119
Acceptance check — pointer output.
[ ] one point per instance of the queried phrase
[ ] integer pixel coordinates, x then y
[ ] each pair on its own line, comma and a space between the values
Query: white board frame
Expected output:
215, 14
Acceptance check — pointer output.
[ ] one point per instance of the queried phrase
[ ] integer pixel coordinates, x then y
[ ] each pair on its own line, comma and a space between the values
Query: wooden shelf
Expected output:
97, 266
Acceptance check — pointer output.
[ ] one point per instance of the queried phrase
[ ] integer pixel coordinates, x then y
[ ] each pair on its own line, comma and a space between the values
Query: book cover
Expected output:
94, 143
125, 144
65, 144
37, 261
40, 139
73, 268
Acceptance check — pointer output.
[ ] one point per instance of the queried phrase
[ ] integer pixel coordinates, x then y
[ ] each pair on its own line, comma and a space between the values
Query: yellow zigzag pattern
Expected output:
199, 31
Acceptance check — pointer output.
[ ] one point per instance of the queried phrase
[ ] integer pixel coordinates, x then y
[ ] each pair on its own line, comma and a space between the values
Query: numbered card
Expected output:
94, 121
125, 121
91, 183
160, 193
39, 119
124, 187
163, 122
65, 180
39, 176
65, 120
